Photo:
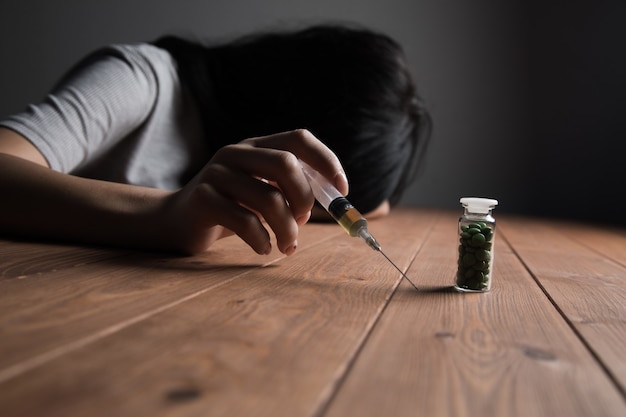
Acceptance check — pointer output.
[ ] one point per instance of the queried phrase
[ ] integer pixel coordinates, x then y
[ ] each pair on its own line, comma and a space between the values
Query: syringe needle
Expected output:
399, 270
373, 243
343, 212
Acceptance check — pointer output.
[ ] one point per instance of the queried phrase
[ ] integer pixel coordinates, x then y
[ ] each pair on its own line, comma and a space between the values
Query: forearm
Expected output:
41, 203
233, 193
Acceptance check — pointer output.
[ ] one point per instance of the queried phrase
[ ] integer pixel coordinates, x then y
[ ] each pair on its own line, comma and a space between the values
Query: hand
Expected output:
245, 185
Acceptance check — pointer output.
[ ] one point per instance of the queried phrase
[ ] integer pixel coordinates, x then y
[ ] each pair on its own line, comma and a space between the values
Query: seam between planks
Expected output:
571, 325
31, 363
344, 373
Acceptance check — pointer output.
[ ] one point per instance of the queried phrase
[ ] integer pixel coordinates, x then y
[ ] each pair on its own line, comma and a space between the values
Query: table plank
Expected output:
273, 342
503, 353
588, 286
608, 241
45, 314
19, 259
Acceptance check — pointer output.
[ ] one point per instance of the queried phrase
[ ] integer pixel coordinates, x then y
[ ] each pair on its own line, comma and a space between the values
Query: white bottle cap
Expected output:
478, 205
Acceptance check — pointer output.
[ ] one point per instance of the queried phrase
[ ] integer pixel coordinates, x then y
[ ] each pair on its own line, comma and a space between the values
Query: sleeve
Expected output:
98, 103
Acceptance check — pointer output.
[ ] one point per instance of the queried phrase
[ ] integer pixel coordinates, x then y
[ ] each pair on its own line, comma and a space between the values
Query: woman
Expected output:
174, 144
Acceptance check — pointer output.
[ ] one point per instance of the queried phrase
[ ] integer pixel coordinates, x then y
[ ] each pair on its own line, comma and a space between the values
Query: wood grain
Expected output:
43, 315
582, 271
280, 336
19, 259
330, 331
504, 353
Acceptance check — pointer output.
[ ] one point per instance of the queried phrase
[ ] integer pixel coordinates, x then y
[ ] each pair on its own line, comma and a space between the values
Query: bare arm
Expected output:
40, 202
228, 194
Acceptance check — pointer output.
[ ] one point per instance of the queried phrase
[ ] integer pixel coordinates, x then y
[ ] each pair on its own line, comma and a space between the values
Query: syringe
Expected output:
343, 212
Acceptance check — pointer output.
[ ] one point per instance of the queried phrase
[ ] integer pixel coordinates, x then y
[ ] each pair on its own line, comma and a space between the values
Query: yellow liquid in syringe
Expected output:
351, 221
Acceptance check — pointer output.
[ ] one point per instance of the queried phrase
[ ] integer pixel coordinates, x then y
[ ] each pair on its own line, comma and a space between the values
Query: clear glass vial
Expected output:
477, 232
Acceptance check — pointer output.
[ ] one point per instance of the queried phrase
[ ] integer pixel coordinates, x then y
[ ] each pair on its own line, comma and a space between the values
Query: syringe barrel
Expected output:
339, 207
323, 190
334, 202
347, 216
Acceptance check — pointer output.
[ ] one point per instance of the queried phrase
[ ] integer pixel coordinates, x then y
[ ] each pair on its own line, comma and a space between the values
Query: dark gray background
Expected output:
527, 96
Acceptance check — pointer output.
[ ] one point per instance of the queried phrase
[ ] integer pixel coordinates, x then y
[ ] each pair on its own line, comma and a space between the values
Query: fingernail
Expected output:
303, 219
291, 248
341, 182
268, 249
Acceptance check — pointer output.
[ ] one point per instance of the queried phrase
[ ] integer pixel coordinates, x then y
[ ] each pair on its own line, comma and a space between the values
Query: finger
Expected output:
278, 166
304, 145
226, 233
260, 197
234, 217
301, 219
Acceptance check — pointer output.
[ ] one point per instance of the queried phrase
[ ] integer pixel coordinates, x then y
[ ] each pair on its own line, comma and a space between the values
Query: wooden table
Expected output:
331, 331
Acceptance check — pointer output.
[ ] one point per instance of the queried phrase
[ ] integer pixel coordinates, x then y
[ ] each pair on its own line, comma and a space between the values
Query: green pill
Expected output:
478, 240
482, 255
481, 266
469, 259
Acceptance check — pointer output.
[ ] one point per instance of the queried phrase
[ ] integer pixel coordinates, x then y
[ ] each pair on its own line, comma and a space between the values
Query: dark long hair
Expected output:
349, 86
